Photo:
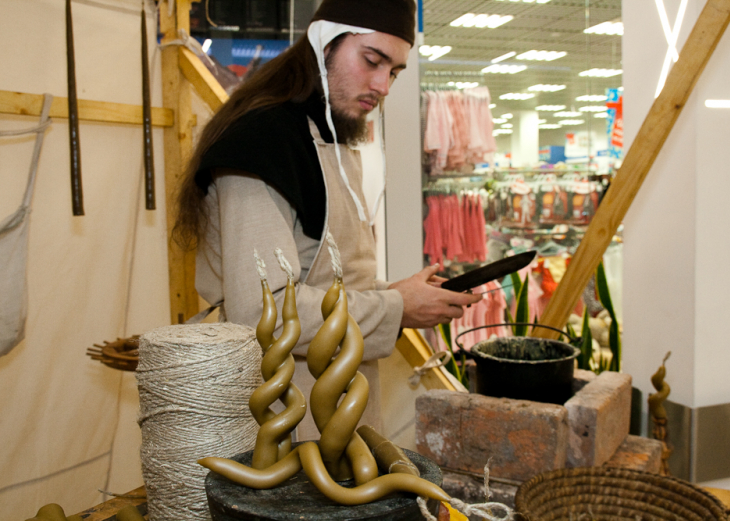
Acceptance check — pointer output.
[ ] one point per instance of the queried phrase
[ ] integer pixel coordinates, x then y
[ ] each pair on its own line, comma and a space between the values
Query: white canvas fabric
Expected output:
14, 248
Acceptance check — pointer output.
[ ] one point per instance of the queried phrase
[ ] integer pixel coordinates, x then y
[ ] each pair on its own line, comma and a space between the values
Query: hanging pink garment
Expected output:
480, 124
433, 243
438, 136
456, 157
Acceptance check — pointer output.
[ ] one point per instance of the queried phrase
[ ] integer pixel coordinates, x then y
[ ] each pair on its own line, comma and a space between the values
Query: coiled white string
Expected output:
194, 385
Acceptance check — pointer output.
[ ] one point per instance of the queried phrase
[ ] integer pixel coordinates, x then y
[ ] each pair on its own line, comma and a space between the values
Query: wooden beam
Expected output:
178, 148
695, 54
23, 104
416, 351
202, 79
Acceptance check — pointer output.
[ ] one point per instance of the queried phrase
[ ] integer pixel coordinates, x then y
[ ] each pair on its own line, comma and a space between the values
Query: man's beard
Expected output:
351, 131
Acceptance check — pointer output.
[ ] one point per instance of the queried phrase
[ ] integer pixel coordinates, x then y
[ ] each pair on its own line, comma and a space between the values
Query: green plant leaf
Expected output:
522, 311
516, 283
586, 348
614, 338
451, 366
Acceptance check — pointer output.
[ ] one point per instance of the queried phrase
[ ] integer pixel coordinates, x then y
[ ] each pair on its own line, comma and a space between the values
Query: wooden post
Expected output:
654, 131
178, 147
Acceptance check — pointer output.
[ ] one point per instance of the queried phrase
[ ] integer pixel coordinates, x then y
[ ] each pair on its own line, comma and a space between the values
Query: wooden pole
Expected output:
654, 131
178, 148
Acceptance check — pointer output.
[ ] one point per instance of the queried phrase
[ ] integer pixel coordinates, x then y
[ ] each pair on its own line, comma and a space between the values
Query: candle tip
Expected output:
334, 255
260, 265
284, 263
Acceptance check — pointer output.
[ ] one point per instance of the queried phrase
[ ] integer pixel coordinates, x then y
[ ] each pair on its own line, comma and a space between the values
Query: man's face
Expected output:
361, 71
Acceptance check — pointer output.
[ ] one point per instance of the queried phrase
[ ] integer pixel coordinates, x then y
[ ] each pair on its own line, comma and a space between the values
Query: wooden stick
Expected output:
23, 104
149, 162
202, 79
77, 194
648, 143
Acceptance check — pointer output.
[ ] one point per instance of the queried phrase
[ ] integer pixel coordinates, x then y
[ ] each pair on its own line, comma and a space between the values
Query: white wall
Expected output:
675, 293
68, 424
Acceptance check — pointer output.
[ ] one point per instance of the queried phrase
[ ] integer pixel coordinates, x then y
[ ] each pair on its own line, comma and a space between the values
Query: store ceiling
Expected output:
554, 26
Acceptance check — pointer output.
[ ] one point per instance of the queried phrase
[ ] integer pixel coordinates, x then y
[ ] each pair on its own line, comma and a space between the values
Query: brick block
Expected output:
599, 417
637, 453
462, 431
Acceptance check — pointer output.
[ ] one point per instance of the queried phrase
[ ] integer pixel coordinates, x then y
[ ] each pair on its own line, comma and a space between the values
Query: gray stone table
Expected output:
298, 500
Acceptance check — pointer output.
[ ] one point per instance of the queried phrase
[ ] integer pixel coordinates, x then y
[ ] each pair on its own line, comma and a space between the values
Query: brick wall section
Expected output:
637, 453
599, 417
462, 431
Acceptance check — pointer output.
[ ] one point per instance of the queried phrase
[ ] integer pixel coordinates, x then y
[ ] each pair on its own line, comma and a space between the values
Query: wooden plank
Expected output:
202, 79
108, 510
416, 351
695, 54
23, 104
178, 146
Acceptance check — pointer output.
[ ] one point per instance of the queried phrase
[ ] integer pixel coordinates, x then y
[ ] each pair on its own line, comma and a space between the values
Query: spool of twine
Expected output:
194, 384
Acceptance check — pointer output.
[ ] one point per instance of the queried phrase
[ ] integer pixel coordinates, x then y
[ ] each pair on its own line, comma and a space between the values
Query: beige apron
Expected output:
357, 249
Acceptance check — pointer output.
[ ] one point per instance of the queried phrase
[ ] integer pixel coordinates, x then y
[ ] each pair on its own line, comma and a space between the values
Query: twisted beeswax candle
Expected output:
273, 441
344, 453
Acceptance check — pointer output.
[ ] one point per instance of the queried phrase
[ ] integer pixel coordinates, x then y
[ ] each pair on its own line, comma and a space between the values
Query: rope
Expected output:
284, 264
194, 385
439, 359
334, 255
490, 510
260, 265
32, 130
192, 44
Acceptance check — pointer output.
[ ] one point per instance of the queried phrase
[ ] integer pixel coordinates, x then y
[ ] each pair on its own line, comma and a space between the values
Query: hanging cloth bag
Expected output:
14, 249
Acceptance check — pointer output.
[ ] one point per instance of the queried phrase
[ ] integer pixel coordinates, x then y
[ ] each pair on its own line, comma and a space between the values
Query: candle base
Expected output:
298, 500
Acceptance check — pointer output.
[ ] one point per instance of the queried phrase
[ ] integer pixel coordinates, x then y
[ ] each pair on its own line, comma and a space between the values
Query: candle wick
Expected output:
260, 265
335, 255
284, 263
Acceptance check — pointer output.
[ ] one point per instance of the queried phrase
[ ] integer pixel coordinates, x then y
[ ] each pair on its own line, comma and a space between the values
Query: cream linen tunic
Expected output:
248, 214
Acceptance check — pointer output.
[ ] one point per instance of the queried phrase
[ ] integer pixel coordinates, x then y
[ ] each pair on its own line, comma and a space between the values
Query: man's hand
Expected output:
425, 304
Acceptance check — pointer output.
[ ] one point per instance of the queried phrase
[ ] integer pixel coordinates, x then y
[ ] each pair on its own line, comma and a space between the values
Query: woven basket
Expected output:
604, 493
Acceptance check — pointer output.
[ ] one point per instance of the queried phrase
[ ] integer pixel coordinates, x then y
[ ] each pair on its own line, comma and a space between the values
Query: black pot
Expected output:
524, 368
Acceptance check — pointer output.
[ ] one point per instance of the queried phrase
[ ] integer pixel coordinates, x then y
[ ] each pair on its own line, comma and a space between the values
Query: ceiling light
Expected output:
504, 57
517, 96
543, 56
492, 105
601, 115
434, 51
567, 114
541, 121
206, 45
507, 116
591, 97
549, 108
503, 69
502, 131
549, 126
527, 1
594, 108
463, 84
717, 103
499, 121
507, 125
606, 28
481, 20
601, 73
568, 122
546, 88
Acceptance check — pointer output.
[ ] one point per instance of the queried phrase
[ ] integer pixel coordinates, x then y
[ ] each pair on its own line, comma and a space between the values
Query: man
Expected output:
267, 174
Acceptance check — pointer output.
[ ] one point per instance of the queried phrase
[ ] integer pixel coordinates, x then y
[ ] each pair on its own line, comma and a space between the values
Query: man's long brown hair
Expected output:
293, 75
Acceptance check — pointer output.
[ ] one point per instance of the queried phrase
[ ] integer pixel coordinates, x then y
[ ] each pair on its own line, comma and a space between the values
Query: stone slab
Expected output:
638, 453
599, 417
463, 431
298, 499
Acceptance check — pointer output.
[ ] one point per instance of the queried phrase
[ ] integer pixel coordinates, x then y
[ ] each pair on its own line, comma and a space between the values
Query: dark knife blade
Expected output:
495, 270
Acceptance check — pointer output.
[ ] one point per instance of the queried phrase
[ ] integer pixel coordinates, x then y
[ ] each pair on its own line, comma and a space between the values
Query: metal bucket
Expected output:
524, 368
